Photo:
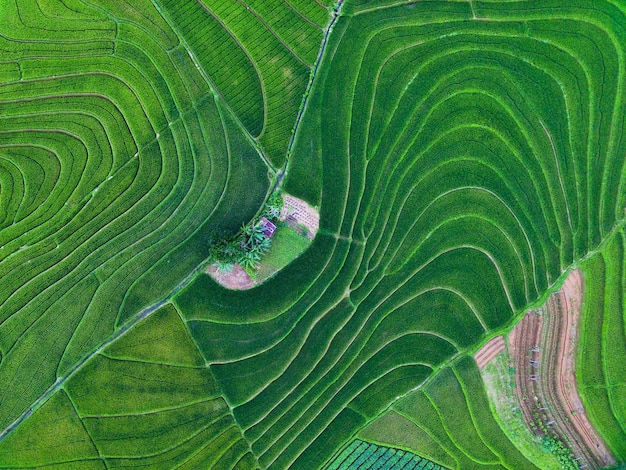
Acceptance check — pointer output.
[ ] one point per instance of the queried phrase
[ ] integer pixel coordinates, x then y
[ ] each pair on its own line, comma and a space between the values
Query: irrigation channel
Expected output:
336, 13
147, 311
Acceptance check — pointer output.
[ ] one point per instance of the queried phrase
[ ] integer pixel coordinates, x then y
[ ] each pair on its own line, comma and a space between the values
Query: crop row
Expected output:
137, 162
315, 12
258, 55
232, 71
362, 455
599, 364
458, 179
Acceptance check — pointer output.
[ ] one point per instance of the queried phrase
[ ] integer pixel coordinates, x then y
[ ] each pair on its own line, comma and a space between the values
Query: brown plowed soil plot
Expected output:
543, 346
569, 301
491, 349
299, 215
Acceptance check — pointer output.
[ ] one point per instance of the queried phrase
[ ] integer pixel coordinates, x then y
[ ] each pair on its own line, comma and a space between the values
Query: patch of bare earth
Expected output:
237, 279
299, 215
543, 346
490, 350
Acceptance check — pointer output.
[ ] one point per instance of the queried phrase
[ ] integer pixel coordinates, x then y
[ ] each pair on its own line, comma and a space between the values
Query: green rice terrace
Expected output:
313, 234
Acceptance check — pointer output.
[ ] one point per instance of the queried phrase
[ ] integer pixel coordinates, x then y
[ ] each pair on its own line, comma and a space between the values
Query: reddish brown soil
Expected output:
491, 349
543, 346
526, 337
570, 299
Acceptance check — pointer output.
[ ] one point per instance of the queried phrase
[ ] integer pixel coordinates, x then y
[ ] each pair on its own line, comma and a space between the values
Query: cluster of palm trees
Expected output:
249, 245
255, 244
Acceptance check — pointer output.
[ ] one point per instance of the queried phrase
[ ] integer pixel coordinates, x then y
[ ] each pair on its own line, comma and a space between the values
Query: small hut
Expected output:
267, 226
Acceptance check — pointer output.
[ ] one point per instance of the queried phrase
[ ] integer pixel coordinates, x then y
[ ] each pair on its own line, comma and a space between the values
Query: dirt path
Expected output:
525, 346
237, 279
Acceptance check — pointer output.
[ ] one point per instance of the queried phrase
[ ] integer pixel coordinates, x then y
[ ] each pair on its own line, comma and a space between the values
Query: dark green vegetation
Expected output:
463, 154
365, 455
250, 245
602, 354
449, 422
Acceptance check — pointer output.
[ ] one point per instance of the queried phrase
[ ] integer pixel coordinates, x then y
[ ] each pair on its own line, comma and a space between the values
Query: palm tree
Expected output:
224, 266
248, 260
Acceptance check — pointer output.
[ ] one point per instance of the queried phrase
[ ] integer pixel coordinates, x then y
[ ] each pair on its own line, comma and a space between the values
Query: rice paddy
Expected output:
463, 156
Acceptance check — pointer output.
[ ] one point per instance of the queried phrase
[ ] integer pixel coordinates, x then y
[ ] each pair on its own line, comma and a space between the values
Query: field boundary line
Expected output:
273, 33
82, 423
303, 16
459, 379
142, 314
307, 92
214, 89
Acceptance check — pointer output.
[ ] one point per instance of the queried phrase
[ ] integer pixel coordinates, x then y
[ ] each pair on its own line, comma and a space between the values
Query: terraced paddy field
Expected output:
463, 156
600, 366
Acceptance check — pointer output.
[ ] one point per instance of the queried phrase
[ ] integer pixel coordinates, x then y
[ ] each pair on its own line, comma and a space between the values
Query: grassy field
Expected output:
463, 156
287, 245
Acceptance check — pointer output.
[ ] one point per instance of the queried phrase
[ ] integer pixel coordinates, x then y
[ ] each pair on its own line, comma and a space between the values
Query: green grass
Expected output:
287, 245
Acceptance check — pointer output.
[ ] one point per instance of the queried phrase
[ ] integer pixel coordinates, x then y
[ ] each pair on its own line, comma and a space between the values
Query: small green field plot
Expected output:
362, 454
449, 161
287, 245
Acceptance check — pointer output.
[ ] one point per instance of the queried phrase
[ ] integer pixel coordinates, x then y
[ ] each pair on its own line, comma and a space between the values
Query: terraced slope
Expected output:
448, 421
258, 54
462, 165
117, 161
464, 154
600, 365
